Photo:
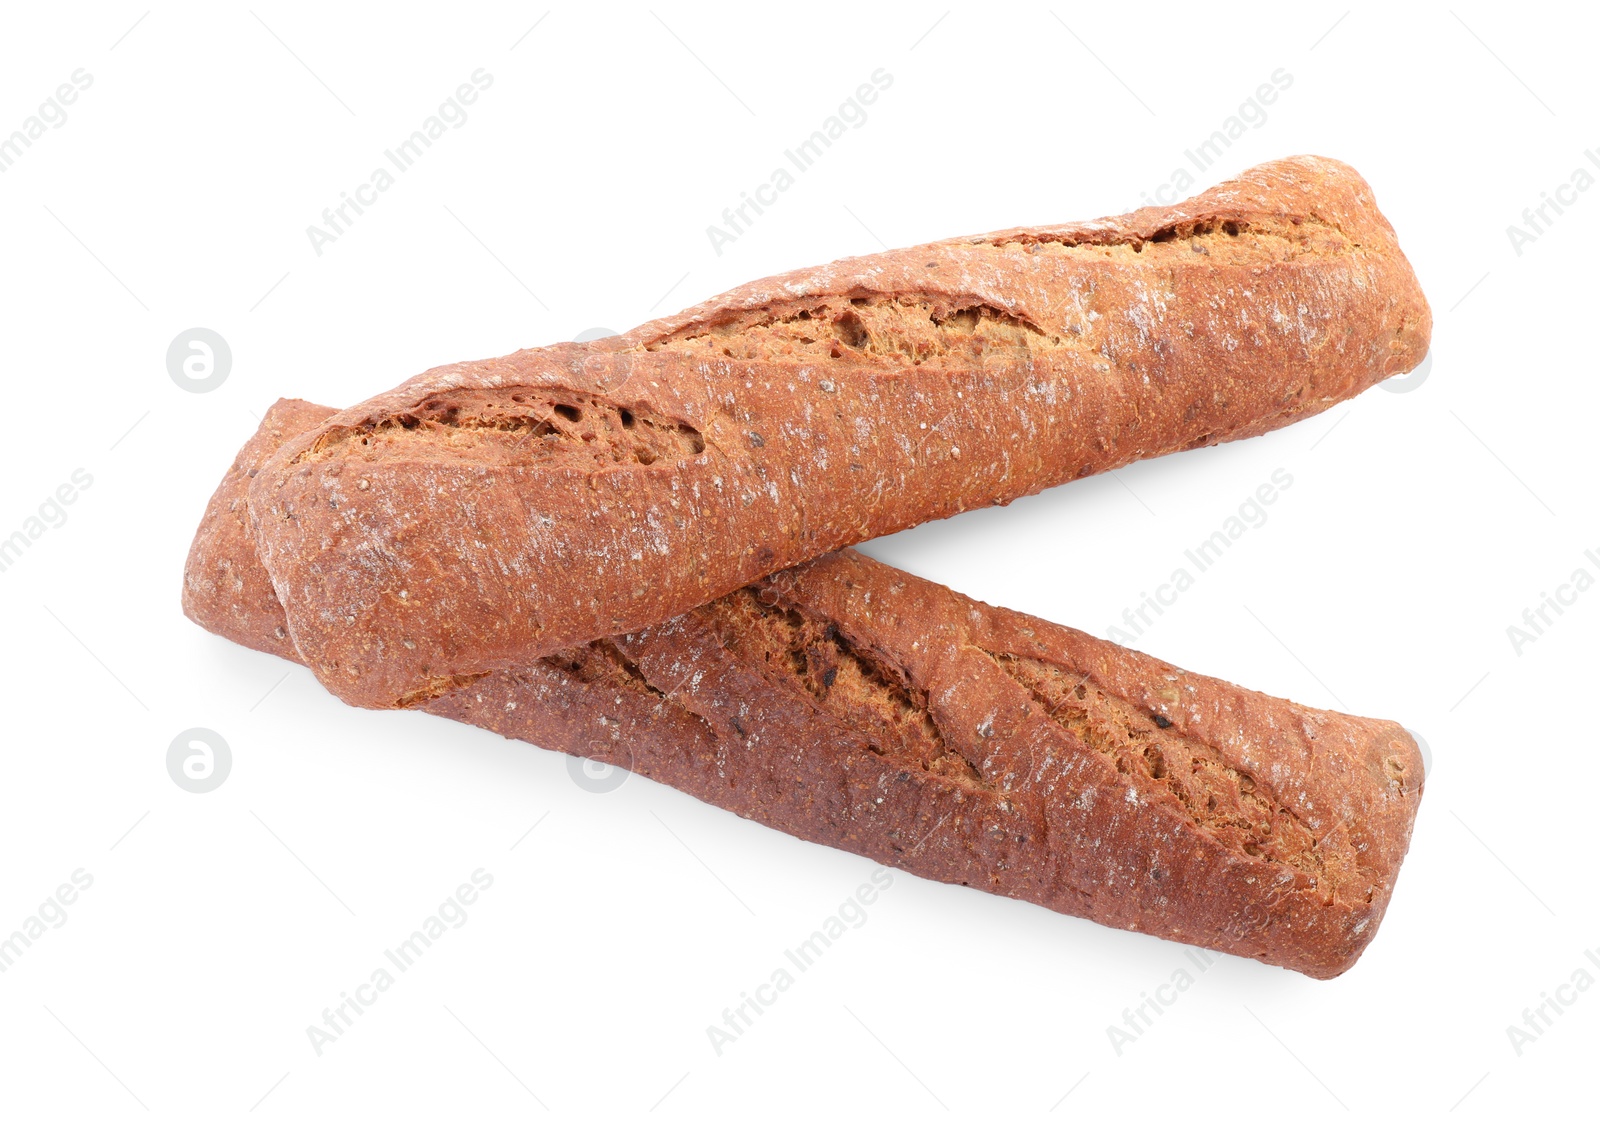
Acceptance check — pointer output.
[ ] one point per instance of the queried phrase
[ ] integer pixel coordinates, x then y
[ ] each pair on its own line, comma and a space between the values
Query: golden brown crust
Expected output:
850, 704
485, 512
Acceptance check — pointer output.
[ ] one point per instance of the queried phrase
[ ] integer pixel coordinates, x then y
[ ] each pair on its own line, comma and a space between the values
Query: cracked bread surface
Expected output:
486, 511
1224, 818
845, 702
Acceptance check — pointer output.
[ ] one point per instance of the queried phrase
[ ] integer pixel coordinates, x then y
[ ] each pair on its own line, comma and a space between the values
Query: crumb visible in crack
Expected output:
912, 329
435, 688
816, 659
517, 426
1222, 800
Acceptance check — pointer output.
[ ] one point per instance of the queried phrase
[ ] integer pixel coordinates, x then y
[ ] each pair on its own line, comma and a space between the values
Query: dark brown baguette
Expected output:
848, 703
487, 512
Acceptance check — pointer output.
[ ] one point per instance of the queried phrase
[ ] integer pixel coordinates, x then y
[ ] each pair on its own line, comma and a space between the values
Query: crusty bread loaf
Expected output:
848, 703
488, 512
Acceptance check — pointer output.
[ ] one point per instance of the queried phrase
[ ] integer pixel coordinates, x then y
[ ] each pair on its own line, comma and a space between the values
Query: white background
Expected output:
219, 926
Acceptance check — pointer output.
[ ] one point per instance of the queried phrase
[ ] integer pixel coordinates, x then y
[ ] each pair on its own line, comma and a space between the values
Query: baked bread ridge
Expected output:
848, 703
485, 512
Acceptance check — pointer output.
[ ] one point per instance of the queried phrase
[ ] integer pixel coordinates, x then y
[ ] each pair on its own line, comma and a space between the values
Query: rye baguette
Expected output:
850, 704
486, 512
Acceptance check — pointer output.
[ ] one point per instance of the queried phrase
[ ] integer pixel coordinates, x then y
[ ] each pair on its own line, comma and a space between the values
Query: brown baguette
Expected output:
851, 704
487, 512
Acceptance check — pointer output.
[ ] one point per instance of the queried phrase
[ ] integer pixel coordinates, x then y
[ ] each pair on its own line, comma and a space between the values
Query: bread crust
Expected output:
225, 588
486, 512
847, 703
